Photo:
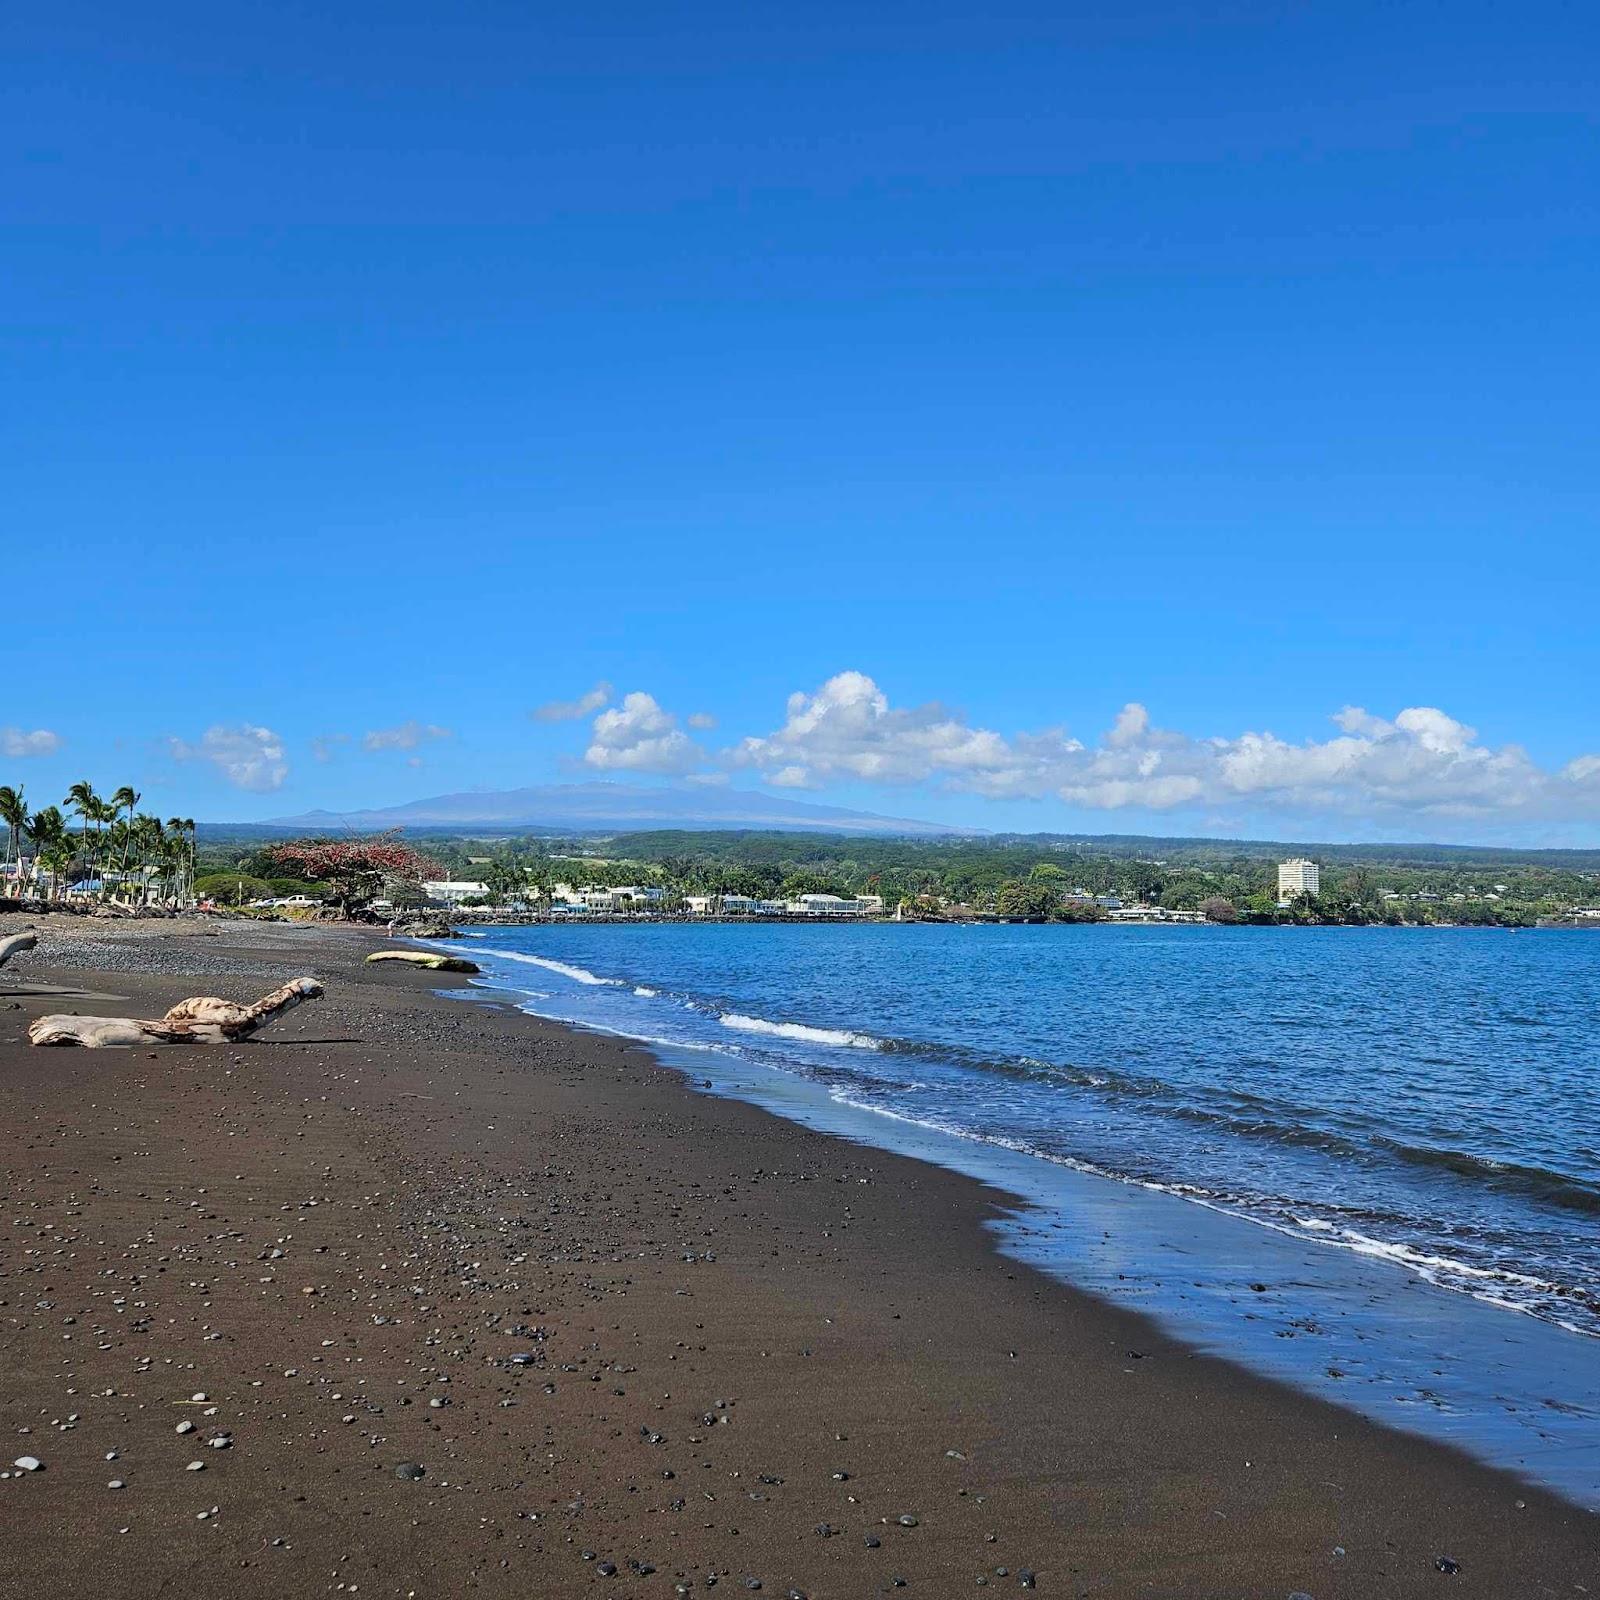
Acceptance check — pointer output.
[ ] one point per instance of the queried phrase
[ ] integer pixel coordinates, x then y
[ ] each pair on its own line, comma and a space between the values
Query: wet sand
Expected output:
636, 1339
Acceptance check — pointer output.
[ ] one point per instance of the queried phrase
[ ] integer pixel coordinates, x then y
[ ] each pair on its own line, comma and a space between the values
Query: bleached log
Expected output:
430, 959
202, 1020
14, 944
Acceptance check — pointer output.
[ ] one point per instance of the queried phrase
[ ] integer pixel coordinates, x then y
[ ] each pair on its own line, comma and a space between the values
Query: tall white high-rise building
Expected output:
1298, 877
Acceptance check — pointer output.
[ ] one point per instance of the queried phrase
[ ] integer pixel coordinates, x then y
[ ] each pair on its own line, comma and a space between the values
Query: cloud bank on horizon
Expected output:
1418, 765
1422, 762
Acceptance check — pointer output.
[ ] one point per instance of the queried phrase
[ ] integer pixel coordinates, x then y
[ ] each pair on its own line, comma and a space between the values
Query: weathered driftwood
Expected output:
430, 959
14, 944
202, 1020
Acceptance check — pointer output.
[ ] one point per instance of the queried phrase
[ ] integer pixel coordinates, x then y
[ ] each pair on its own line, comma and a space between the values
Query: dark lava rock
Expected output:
1448, 1567
410, 1471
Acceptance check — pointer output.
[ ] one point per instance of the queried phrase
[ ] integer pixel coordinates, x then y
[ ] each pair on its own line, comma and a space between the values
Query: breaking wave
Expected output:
840, 1037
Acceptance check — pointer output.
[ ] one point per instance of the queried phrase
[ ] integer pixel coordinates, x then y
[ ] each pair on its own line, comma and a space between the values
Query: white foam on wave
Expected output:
626, 1033
644, 993
841, 1037
577, 974
1443, 1272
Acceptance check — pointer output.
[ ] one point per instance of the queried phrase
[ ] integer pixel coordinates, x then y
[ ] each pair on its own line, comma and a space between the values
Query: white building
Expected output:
1298, 876
833, 905
451, 892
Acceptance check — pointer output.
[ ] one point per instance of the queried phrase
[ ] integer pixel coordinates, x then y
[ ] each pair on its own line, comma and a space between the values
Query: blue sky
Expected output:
415, 367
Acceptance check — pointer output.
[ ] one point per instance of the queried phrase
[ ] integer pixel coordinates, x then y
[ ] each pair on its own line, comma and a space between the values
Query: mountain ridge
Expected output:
624, 807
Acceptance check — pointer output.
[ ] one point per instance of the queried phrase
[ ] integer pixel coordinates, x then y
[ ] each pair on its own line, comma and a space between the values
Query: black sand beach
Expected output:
639, 1341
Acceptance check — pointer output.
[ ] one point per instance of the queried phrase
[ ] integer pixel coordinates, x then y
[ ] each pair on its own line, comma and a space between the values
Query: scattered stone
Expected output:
195, 1466
29, 1463
907, 1520
409, 1471
116, 1483
1448, 1567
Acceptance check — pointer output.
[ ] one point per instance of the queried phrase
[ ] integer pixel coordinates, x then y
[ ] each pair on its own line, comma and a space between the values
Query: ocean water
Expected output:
1399, 1128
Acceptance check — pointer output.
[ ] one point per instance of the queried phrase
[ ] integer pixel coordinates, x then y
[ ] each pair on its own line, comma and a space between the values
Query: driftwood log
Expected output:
14, 944
202, 1020
430, 959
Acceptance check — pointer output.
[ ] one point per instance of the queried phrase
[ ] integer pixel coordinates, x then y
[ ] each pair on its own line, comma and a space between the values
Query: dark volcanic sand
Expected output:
751, 1352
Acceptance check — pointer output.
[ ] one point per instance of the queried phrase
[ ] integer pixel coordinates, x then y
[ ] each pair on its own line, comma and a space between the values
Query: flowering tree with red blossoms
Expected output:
355, 869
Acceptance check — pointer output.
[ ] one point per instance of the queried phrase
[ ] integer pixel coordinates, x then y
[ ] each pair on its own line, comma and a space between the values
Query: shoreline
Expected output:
1366, 1329
849, 1305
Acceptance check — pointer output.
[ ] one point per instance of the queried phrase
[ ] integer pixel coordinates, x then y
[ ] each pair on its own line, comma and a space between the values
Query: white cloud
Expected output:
571, 710
701, 719
847, 729
248, 757
1422, 762
405, 737
639, 736
19, 743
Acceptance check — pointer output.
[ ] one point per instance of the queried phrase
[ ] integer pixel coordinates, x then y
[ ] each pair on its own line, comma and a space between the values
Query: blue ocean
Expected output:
1365, 1160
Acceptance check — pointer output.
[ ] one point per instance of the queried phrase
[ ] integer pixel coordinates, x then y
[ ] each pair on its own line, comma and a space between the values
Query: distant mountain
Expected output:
614, 807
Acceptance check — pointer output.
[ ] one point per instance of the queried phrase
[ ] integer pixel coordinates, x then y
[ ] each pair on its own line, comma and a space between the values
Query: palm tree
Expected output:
145, 836
14, 814
106, 817
125, 799
194, 844
48, 831
182, 830
89, 807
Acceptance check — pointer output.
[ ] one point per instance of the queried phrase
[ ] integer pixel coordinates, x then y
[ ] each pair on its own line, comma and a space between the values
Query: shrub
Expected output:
232, 888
